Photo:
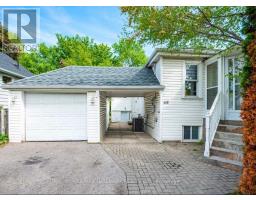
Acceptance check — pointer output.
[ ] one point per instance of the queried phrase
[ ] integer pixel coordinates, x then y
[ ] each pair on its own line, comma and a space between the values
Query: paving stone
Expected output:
170, 168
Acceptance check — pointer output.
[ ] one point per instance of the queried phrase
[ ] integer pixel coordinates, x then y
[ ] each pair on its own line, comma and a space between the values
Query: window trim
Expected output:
192, 140
184, 96
234, 84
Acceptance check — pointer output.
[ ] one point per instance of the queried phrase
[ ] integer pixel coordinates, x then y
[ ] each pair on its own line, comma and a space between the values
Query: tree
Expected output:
77, 50
5, 43
186, 27
129, 53
248, 112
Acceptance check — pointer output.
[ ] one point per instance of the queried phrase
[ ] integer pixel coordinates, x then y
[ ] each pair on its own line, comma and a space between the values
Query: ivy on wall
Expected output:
248, 108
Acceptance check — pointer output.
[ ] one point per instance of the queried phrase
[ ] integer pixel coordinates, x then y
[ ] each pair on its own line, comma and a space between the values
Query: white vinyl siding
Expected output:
93, 117
152, 114
4, 94
176, 110
16, 117
103, 110
157, 70
55, 117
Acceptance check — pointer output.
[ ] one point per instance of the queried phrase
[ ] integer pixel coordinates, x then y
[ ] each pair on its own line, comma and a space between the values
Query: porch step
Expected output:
236, 137
228, 144
226, 163
226, 153
230, 128
232, 122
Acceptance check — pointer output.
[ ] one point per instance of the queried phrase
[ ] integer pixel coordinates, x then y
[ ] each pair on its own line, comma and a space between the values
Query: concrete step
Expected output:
231, 122
226, 153
228, 144
230, 128
226, 163
229, 136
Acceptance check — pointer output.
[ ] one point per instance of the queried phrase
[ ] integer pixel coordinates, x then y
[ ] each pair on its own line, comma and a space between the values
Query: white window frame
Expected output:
233, 83
192, 140
197, 96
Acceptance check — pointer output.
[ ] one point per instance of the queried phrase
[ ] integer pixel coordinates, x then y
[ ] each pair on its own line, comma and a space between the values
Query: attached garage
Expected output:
55, 117
70, 103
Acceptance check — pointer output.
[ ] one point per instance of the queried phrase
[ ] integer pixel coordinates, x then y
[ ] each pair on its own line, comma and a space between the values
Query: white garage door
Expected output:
53, 117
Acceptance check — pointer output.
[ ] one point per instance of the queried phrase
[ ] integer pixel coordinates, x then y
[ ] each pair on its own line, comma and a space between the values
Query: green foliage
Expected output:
82, 51
128, 52
5, 42
186, 27
201, 142
248, 25
3, 138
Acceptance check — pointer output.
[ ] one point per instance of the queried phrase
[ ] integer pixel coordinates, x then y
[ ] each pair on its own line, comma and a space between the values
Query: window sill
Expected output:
192, 98
192, 140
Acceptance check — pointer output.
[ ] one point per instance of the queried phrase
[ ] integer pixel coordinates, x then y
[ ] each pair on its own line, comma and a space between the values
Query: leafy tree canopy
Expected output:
5, 43
77, 50
186, 27
129, 53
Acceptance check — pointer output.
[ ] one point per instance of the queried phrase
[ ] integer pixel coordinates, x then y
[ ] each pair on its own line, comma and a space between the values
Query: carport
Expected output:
122, 132
71, 103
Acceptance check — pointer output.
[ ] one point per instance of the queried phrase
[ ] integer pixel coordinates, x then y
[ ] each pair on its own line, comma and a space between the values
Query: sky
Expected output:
103, 24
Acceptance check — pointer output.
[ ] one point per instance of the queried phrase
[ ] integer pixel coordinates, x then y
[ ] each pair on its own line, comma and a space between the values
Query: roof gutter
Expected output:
12, 73
23, 87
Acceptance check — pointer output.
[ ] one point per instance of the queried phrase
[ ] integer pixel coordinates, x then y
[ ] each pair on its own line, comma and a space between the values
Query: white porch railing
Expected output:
212, 122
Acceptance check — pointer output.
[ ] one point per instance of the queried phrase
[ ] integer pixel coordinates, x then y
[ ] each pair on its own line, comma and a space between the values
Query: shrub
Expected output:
248, 108
3, 138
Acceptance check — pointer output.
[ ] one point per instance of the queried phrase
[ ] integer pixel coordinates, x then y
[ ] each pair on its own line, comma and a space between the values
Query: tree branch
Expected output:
231, 34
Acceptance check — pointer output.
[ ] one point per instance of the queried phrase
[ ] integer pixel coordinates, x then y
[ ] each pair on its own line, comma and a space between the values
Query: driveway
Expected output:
111, 168
59, 168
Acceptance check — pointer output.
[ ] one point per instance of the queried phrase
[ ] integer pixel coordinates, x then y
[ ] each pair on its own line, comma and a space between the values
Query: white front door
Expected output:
233, 97
55, 117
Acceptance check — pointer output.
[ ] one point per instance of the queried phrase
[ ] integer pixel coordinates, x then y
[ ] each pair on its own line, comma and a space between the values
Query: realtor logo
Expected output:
21, 25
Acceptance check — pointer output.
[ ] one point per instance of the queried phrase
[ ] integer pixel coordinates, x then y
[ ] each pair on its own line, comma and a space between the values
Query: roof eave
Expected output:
23, 87
12, 73
160, 52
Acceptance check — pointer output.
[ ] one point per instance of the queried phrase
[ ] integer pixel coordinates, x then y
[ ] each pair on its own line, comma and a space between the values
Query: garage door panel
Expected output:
53, 117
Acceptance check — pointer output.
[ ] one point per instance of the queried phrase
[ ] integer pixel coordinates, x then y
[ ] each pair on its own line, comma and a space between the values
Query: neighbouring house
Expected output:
187, 97
126, 108
10, 71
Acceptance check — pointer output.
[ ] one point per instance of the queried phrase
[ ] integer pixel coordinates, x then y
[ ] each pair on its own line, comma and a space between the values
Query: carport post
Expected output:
93, 117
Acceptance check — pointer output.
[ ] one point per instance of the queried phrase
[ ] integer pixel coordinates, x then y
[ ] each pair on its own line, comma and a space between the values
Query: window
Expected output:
191, 80
191, 133
6, 79
212, 83
234, 96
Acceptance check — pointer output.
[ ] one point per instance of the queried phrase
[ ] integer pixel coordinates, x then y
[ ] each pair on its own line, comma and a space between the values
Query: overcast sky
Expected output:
103, 24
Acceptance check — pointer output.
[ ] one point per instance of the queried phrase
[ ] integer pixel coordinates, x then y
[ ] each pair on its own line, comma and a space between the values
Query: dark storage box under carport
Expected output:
138, 124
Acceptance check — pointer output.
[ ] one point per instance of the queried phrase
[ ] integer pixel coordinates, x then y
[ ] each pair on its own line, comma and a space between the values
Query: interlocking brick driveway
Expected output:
170, 168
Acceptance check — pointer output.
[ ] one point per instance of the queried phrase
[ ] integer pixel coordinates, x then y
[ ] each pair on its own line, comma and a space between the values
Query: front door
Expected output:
232, 89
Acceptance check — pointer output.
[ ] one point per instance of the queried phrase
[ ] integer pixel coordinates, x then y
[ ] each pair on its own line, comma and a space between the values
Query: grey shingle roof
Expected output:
84, 76
7, 64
